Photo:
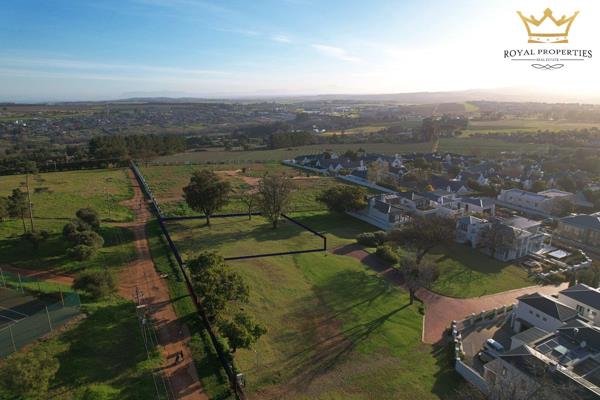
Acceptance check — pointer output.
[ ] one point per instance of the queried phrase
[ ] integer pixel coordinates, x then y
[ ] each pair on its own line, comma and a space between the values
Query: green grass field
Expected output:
459, 145
61, 194
167, 182
466, 272
525, 125
335, 329
103, 356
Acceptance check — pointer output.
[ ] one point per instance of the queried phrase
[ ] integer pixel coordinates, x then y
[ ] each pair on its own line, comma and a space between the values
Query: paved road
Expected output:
441, 310
172, 334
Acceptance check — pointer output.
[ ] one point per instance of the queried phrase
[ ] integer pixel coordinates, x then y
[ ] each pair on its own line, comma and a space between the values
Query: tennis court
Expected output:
25, 318
14, 306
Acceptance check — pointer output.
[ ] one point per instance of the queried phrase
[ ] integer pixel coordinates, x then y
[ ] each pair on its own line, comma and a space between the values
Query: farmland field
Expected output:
525, 125
460, 145
334, 329
61, 194
167, 184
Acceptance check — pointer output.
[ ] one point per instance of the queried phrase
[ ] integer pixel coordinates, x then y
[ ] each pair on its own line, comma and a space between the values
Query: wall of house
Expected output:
536, 318
584, 310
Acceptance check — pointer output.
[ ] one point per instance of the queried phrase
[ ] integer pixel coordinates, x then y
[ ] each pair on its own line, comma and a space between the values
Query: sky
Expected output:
108, 49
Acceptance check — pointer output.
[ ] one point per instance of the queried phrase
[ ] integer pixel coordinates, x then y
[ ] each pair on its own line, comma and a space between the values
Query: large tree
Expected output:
4, 205
417, 275
249, 196
28, 374
274, 194
241, 331
494, 237
17, 206
423, 234
216, 285
206, 193
344, 198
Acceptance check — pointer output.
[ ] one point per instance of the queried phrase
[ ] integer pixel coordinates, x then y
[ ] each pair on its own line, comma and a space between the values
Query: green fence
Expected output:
31, 308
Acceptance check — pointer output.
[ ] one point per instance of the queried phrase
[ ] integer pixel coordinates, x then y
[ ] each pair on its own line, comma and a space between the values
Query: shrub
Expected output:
97, 284
81, 252
88, 238
372, 239
74, 227
556, 278
90, 217
387, 253
28, 374
35, 237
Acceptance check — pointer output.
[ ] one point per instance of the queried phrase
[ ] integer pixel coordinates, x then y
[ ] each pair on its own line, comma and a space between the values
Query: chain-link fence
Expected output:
31, 308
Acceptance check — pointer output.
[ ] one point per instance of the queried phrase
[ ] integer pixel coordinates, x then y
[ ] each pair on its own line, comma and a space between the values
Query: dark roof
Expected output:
360, 174
530, 335
583, 221
549, 306
381, 206
478, 201
580, 331
584, 294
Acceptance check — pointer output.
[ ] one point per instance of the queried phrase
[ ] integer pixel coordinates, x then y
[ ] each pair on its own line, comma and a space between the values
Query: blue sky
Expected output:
78, 49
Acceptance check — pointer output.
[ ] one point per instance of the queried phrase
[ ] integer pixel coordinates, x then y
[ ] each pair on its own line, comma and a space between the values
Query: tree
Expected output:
494, 237
274, 194
424, 233
215, 284
538, 186
206, 193
81, 252
17, 206
567, 183
90, 217
88, 238
28, 374
241, 332
343, 198
4, 209
562, 207
417, 275
36, 237
249, 196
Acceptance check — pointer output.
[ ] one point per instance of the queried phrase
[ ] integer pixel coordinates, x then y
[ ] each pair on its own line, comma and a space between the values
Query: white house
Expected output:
584, 299
542, 203
541, 311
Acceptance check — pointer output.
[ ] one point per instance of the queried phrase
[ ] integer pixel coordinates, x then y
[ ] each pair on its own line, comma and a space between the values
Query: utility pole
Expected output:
29, 200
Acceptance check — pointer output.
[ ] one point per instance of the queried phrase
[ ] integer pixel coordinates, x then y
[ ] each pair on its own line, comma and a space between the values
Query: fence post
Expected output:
12, 338
49, 321
20, 283
62, 299
3, 280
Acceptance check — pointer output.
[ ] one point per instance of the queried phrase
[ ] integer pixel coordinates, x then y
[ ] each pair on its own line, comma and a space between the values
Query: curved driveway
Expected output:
441, 310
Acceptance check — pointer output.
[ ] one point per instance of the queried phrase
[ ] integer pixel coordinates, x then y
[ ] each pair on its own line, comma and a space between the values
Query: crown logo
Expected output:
548, 29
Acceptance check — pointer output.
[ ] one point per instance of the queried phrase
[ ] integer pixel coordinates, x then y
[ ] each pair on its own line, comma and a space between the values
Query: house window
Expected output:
504, 371
537, 315
530, 312
544, 318
580, 309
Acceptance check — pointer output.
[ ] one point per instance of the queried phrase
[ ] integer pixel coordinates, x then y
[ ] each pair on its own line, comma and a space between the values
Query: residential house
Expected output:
541, 311
542, 203
512, 238
584, 299
477, 205
583, 229
566, 360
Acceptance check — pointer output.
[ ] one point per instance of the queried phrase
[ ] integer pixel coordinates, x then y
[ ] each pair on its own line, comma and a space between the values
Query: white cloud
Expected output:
335, 52
281, 38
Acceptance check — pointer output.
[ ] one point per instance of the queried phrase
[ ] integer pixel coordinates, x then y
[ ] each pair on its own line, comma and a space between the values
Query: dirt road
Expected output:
140, 276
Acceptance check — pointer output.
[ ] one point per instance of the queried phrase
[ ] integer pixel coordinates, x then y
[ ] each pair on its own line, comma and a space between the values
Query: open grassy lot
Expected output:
465, 272
459, 145
167, 182
61, 194
239, 236
525, 125
335, 329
